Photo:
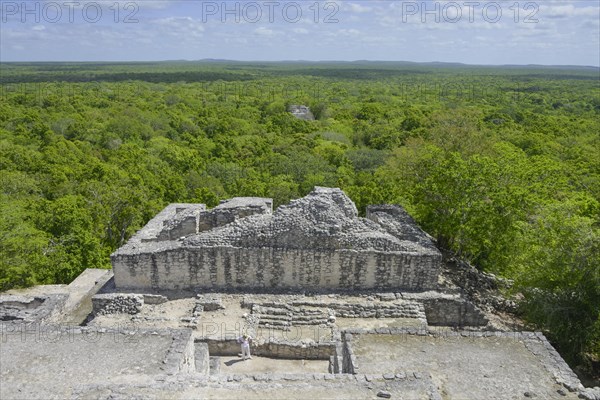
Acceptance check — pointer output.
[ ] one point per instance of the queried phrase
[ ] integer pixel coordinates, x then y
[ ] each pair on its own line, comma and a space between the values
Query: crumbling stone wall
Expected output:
453, 312
233, 209
274, 348
316, 242
183, 223
249, 269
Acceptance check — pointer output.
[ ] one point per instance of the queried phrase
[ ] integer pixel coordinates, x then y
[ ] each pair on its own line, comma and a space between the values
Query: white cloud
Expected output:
181, 27
567, 11
348, 32
357, 8
567, 33
262, 31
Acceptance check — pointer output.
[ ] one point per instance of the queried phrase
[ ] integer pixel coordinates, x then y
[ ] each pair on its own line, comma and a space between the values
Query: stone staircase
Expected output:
284, 316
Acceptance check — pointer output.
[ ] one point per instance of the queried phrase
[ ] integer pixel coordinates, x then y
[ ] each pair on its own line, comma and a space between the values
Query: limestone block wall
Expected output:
453, 312
273, 348
274, 268
183, 223
202, 358
180, 357
348, 357
177, 217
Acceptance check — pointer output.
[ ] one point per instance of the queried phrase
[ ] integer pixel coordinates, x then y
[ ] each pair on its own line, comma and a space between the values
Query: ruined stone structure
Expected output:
373, 311
317, 242
301, 112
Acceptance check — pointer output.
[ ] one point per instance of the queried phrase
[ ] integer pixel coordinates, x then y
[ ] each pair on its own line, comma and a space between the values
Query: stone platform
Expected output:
338, 306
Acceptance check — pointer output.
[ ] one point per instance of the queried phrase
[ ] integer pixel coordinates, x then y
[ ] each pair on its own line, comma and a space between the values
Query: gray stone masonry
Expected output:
274, 348
19, 308
294, 313
117, 303
202, 358
209, 302
233, 209
183, 223
397, 222
166, 220
315, 242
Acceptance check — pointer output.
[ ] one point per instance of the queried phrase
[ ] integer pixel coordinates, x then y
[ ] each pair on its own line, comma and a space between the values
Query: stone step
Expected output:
269, 310
310, 322
276, 305
274, 322
311, 304
273, 317
308, 317
312, 311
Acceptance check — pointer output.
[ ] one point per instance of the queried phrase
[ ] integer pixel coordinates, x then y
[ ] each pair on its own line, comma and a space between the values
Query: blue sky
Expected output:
474, 32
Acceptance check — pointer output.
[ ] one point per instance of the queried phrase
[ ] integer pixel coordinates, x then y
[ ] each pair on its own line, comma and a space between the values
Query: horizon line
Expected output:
299, 61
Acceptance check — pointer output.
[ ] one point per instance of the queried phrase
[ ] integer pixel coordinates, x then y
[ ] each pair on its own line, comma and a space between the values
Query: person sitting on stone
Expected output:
245, 341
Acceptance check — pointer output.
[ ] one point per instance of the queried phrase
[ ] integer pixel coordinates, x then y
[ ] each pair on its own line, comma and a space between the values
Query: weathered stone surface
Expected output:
396, 221
47, 364
233, 209
317, 241
30, 308
453, 312
14, 307
115, 303
154, 299
183, 223
472, 364
478, 287
208, 302
590, 393
471, 367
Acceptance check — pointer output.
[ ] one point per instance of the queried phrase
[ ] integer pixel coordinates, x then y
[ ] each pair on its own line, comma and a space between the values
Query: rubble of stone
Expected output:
318, 241
209, 302
117, 303
233, 209
325, 220
590, 393
480, 288
398, 223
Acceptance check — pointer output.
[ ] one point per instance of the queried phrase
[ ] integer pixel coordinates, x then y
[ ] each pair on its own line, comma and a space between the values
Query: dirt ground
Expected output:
237, 365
